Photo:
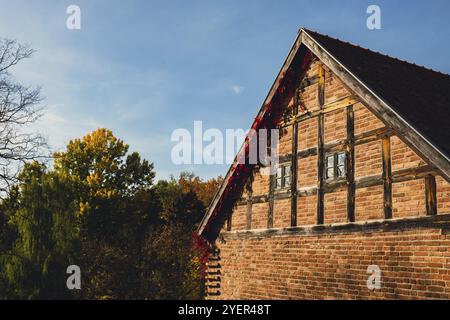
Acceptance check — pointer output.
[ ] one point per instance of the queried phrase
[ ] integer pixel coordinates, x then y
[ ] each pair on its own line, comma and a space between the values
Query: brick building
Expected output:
363, 179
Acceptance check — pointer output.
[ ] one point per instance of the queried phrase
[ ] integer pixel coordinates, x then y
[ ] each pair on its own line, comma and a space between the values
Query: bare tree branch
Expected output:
19, 107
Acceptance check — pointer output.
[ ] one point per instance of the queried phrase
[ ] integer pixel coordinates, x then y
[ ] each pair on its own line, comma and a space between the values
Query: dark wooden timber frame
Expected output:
320, 148
350, 165
294, 166
438, 162
272, 182
430, 195
387, 177
229, 222
441, 221
347, 145
248, 222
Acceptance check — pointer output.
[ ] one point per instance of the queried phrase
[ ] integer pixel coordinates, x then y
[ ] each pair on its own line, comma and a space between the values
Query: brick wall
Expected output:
306, 210
365, 120
368, 159
307, 134
259, 215
335, 128
282, 213
369, 203
334, 89
239, 219
335, 207
307, 172
414, 263
408, 198
402, 156
443, 195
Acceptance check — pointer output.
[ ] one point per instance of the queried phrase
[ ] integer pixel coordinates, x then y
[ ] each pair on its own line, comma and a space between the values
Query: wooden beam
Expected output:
339, 145
387, 177
320, 149
272, 181
294, 166
373, 135
271, 200
249, 204
438, 222
361, 182
282, 195
321, 89
320, 167
369, 181
306, 82
430, 195
307, 152
229, 220
350, 164
326, 108
412, 173
307, 191
260, 199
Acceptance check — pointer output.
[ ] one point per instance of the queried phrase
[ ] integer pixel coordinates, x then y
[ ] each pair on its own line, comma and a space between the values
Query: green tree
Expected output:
98, 208
46, 243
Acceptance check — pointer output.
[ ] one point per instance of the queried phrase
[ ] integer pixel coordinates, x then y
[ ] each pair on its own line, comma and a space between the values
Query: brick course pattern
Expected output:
415, 264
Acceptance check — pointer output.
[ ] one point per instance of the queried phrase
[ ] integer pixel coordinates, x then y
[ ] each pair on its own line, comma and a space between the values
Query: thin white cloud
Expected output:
237, 89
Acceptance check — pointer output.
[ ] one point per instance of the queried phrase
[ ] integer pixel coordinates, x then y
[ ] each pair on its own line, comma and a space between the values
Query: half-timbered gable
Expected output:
362, 179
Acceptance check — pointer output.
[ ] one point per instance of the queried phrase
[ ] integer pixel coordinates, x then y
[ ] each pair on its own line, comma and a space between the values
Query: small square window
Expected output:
335, 167
283, 176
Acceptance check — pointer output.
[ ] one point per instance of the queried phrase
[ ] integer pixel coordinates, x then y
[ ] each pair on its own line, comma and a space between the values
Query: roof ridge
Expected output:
379, 53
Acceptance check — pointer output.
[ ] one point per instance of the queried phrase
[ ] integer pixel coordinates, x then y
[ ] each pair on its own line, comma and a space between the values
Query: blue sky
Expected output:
145, 68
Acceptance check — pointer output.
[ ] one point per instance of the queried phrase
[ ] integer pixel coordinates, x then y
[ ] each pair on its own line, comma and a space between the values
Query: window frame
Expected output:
286, 175
336, 166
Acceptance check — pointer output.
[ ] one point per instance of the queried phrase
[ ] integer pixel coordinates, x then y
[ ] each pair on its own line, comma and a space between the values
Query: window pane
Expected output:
330, 162
279, 172
341, 159
287, 171
330, 173
340, 171
278, 184
287, 182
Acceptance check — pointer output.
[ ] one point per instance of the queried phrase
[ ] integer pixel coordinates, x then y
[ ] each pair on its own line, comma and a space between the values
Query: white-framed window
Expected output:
335, 166
283, 176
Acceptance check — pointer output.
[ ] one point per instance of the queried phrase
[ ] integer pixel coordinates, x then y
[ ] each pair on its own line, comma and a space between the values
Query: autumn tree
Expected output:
98, 208
116, 209
107, 177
